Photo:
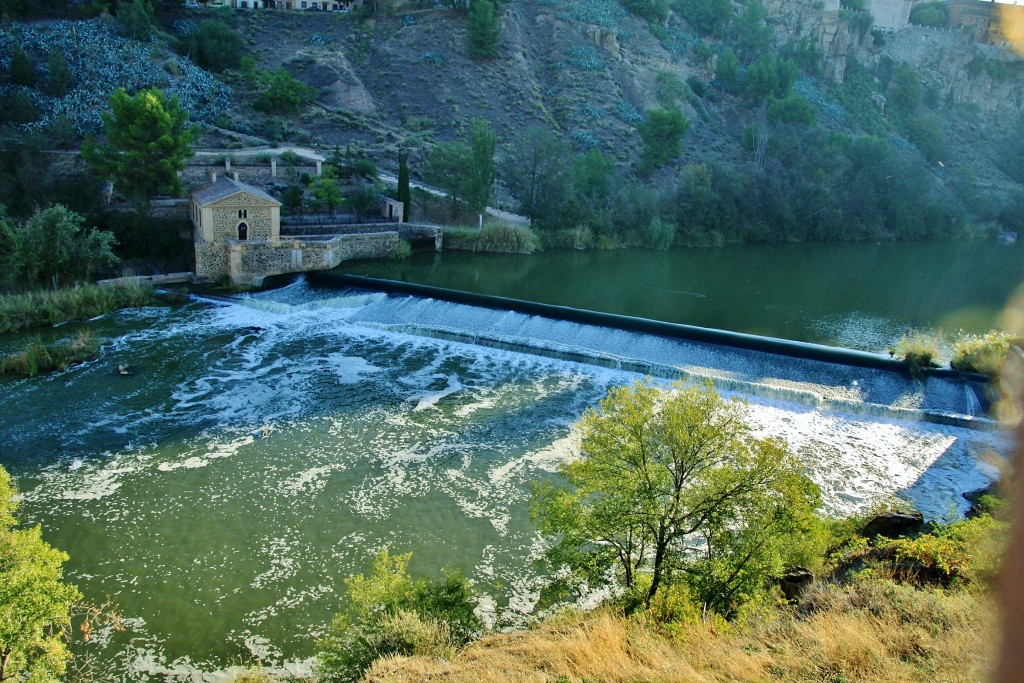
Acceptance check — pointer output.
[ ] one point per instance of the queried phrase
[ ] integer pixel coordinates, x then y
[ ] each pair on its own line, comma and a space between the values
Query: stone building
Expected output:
227, 212
891, 15
973, 15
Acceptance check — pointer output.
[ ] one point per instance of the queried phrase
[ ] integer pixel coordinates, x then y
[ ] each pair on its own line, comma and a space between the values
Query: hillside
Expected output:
797, 123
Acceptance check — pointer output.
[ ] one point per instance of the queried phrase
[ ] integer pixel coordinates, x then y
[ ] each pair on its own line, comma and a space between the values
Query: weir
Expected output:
840, 379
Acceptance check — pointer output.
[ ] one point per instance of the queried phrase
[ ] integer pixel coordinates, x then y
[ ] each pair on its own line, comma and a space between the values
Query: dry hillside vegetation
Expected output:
873, 631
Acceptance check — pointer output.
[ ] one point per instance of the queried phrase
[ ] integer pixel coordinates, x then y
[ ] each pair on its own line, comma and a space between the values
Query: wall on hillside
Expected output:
988, 77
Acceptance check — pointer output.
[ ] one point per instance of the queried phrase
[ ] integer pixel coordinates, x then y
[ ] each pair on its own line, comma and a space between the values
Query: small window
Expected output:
304, 4
243, 231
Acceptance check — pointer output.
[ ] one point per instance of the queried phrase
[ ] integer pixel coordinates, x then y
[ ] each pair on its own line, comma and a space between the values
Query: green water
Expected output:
857, 295
220, 547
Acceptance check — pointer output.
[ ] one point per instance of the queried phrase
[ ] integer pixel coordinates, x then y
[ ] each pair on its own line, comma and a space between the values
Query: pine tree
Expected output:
404, 193
482, 29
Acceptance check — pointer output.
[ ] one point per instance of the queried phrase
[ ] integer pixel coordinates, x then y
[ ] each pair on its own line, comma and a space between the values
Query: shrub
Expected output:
21, 69
659, 234
503, 239
39, 357
794, 110
402, 250
390, 613
213, 46
708, 17
984, 353
918, 350
649, 10
926, 134
283, 94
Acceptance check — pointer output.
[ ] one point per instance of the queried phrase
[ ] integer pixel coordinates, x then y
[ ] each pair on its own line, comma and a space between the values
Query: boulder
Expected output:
795, 582
895, 524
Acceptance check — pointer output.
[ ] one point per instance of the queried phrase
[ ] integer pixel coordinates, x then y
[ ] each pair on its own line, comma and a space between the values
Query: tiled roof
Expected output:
225, 187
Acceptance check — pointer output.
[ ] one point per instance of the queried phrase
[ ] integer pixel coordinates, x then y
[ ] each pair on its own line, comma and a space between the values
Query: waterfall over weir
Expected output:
847, 381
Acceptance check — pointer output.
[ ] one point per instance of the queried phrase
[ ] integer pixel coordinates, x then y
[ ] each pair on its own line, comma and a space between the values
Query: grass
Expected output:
919, 351
984, 353
39, 357
43, 308
505, 239
877, 631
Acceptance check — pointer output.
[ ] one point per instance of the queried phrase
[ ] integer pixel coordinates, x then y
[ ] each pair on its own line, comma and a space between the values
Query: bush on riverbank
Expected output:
40, 357
984, 353
502, 239
919, 351
42, 308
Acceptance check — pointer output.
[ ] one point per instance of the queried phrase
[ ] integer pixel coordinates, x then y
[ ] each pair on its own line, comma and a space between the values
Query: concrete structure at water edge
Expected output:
237, 235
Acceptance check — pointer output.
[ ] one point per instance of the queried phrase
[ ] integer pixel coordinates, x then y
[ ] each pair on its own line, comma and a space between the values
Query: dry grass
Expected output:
872, 631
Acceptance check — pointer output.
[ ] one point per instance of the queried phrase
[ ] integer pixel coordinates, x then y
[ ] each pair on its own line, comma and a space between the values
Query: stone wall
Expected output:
254, 173
212, 260
226, 220
250, 262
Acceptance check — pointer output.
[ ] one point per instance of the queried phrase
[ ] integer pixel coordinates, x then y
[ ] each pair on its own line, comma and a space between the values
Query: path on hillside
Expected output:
504, 216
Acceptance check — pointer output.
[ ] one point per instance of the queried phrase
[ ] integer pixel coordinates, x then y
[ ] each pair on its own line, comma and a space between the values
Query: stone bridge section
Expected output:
252, 261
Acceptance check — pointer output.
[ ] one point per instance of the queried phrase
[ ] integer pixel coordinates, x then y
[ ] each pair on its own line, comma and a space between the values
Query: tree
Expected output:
22, 71
674, 485
482, 168
283, 94
929, 14
326, 193
51, 245
292, 198
905, 89
769, 77
537, 174
390, 613
648, 10
35, 603
727, 71
136, 20
705, 16
364, 201
661, 134
446, 168
213, 46
482, 29
148, 140
794, 110
59, 80
753, 35
404, 193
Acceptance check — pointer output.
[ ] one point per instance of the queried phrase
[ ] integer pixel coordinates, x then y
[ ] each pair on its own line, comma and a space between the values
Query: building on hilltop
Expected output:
891, 15
227, 211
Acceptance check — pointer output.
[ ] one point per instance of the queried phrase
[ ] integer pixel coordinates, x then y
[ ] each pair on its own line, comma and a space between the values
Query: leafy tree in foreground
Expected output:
390, 613
148, 140
51, 245
482, 29
466, 171
672, 486
35, 603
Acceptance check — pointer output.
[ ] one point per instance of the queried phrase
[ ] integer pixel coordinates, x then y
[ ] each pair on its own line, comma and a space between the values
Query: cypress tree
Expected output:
404, 193
482, 28
22, 71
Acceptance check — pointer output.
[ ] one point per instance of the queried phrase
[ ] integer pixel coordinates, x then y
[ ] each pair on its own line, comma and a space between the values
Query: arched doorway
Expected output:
243, 231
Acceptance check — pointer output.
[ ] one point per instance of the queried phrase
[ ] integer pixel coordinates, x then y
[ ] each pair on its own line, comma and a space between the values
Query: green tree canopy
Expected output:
35, 603
727, 71
326, 193
135, 19
708, 17
21, 69
482, 29
661, 133
58, 76
53, 245
148, 141
215, 46
466, 171
538, 175
283, 94
672, 486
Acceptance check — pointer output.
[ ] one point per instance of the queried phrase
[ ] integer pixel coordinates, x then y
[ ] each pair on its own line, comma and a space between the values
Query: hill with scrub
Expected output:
687, 123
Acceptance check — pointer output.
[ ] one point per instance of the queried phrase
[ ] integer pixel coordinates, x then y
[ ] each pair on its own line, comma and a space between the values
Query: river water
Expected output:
859, 295
220, 545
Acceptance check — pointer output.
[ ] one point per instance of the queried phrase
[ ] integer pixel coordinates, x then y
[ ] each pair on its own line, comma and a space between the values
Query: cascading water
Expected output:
266, 446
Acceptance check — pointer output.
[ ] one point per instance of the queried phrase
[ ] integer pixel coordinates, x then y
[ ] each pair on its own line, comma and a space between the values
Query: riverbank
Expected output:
43, 308
39, 357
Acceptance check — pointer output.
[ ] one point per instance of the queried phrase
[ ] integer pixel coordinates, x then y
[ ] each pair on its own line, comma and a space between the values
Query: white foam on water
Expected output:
351, 369
188, 464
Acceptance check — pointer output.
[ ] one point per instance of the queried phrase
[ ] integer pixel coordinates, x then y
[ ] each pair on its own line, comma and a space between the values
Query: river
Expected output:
858, 295
221, 546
